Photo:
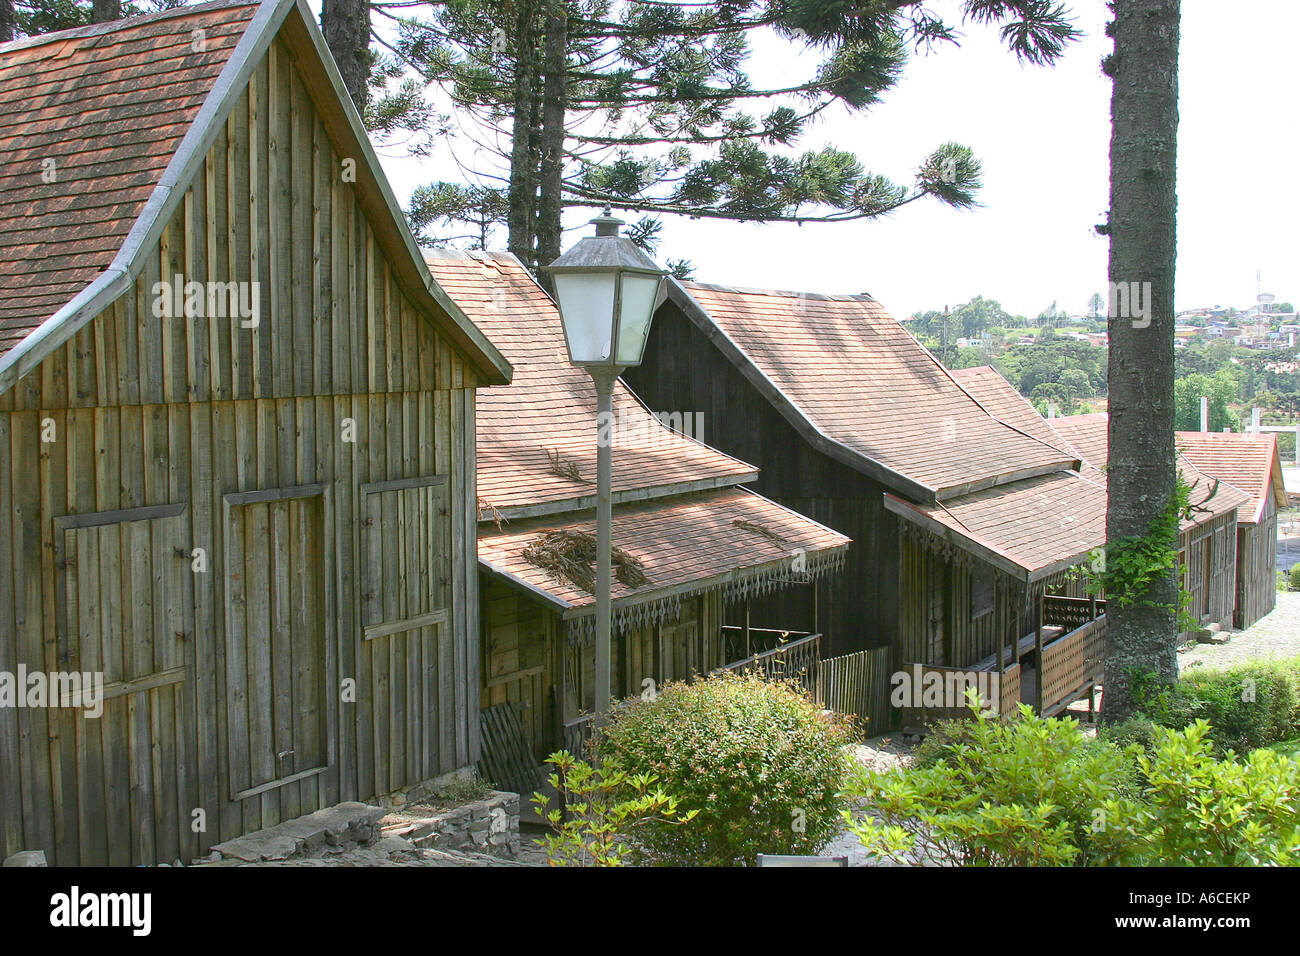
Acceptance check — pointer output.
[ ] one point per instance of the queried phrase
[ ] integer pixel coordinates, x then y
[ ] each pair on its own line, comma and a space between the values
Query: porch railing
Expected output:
1071, 664
798, 660
1069, 612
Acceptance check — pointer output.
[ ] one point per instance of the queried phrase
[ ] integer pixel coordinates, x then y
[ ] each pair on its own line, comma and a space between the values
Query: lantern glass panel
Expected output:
635, 312
587, 308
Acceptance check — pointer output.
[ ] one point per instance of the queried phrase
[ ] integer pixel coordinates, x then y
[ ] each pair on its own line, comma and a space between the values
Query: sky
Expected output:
1042, 134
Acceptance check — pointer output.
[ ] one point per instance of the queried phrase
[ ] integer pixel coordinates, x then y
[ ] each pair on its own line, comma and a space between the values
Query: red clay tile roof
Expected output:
1250, 462
1031, 528
852, 373
1212, 494
700, 541
550, 407
1007, 405
107, 105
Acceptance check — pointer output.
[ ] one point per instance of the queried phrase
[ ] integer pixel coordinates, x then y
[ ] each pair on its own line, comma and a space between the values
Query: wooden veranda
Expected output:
1058, 662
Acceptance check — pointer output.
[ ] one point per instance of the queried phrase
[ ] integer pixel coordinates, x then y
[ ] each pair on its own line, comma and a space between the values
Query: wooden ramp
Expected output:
507, 760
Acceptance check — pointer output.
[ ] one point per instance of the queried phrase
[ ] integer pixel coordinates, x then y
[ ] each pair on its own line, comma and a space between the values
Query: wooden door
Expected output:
124, 785
418, 713
277, 653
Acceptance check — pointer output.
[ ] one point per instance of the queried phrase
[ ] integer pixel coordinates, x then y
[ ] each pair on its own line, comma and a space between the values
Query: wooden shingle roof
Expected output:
684, 545
1087, 434
127, 112
1250, 462
1211, 495
1030, 528
856, 384
543, 425
1000, 398
89, 119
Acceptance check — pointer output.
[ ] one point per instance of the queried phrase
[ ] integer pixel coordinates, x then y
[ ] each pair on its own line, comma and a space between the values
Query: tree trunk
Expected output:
1143, 205
106, 11
522, 192
346, 27
550, 203
7, 20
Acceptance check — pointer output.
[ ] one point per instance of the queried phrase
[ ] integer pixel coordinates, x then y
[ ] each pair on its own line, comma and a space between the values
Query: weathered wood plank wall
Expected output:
345, 385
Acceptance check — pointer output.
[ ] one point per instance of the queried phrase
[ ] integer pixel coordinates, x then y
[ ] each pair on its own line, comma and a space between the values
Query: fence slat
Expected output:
858, 684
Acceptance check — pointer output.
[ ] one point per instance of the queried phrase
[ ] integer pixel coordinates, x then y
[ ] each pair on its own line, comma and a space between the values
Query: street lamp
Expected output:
606, 289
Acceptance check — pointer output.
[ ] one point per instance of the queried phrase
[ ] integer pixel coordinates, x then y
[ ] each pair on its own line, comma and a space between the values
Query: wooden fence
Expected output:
858, 684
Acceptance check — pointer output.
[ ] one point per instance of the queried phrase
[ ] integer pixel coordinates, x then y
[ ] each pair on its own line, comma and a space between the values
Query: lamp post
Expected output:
606, 289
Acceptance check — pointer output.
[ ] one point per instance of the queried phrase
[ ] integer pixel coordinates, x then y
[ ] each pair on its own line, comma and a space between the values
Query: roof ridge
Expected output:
99, 29
783, 293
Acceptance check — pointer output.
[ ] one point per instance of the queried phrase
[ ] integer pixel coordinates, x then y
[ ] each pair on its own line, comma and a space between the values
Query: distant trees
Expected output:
1221, 390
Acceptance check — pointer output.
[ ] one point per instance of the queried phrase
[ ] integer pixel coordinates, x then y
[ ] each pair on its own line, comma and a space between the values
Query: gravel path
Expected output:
1277, 634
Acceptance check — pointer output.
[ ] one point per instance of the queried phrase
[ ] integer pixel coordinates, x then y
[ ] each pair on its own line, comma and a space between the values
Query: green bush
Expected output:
1295, 577
1026, 792
601, 811
1139, 732
1199, 811
756, 758
1036, 792
1249, 706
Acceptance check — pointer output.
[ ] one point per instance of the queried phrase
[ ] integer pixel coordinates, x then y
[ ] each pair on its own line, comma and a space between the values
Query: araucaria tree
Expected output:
1142, 483
648, 106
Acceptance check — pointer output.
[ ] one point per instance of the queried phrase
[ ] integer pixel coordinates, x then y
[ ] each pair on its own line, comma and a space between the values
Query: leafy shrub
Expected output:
756, 759
1295, 577
603, 811
1204, 812
1138, 731
1028, 792
944, 737
1035, 791
1247, 707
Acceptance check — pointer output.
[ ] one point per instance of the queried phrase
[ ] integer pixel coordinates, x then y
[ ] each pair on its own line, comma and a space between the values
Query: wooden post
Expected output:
748, 652
1002, 656
1038, 647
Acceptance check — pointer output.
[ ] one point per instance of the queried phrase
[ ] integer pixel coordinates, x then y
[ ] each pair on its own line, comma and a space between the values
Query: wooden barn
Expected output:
963, 521
237, 444
692, 545
1207, 539
1251, 463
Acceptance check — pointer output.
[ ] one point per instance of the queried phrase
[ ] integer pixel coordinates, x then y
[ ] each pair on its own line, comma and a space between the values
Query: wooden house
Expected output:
690, 540
1207, 538
962, 519
1251, 463
237, 444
